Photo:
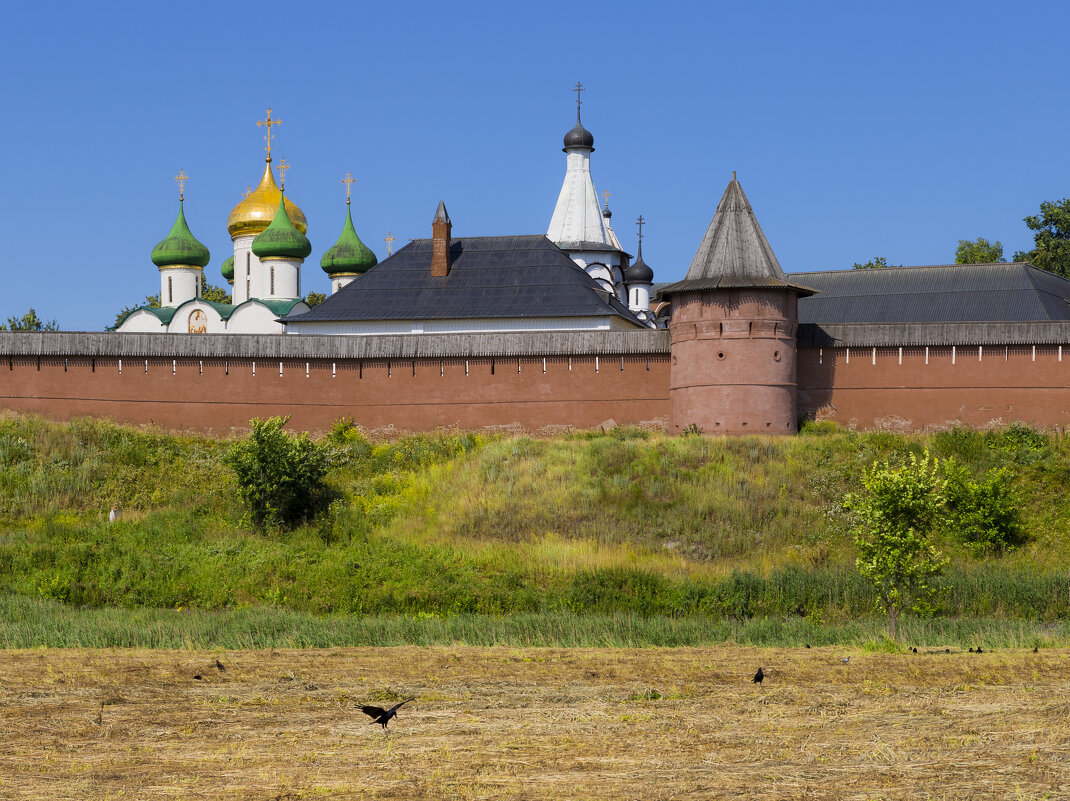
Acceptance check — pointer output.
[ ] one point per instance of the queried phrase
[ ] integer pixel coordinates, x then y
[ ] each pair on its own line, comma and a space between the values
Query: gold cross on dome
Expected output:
607, 195
248, 191
283, 167
390, 239
181, 178
268, 122
349, 180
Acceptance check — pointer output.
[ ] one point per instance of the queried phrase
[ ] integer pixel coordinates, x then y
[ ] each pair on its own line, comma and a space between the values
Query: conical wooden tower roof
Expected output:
734, 253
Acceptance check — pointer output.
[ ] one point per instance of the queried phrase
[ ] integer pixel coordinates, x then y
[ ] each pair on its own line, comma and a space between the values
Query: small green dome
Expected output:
281, 240
228, 269
180, 246
349, 254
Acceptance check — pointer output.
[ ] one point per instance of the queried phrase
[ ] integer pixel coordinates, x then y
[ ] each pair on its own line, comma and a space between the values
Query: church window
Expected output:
272, 282
170, 291
299, 280
248, 288
247, 257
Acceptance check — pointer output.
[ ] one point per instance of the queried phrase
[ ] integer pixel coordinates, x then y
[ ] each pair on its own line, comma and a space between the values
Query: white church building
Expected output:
576, 277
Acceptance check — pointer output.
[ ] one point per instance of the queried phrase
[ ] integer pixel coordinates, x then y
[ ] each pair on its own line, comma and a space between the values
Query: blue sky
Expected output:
857, 129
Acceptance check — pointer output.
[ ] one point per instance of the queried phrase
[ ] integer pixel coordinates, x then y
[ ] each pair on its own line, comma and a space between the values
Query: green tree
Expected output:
213, 293
1051, 242
280, 476
983, 515
874, 264
314, 299
896, 511
979, 251
29, 322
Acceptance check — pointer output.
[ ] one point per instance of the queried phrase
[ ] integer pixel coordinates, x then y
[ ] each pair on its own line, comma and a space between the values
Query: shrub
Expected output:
897, 510
280, 477
982, 515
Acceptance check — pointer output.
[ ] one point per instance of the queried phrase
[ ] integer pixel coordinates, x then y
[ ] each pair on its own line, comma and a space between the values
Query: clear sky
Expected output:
857, 129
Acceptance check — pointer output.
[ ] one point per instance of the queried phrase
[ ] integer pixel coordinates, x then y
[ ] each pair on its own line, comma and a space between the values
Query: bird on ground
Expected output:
198, 677
914, 650
807, 645
220, 666
382, 716
971, 649
113, 515
978, 650
1036, 649
846, 659
759, 677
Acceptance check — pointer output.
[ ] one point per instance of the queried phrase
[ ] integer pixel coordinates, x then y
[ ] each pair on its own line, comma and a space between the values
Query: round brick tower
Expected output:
733, 329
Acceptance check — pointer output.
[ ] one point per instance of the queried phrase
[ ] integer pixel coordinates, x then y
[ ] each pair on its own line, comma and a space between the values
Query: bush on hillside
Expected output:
280, 476
982, 515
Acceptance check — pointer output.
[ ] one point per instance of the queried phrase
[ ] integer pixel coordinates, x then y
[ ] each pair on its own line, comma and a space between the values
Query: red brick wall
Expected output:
863, 388
216, 395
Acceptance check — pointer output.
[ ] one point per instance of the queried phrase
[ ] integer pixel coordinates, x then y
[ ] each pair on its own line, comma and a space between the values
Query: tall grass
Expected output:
32, 623
726, 530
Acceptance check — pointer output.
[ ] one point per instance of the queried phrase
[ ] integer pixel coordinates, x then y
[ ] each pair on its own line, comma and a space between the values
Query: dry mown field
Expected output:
503, 723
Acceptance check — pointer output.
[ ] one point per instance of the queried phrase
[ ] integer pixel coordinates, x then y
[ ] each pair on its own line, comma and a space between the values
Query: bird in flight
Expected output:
382, 716
759, 677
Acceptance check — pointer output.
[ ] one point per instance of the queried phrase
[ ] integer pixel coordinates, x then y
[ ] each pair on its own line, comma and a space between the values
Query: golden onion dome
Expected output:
255, 212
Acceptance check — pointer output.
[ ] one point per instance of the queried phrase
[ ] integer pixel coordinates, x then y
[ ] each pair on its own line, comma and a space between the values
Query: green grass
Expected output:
34, 623
728, 532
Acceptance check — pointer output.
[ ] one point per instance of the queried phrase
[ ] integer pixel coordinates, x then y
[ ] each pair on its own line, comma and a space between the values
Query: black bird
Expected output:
971, 649
914, 650
1036, 649
382, 716
978, 650
198, 677
219, 665
807, 645
759, 677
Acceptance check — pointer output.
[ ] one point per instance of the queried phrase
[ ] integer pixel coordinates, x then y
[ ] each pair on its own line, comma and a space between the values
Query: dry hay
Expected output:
505, 723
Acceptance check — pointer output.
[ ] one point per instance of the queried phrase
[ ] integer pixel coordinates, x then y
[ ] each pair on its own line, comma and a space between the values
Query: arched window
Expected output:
170, 291
247, 257
272, 292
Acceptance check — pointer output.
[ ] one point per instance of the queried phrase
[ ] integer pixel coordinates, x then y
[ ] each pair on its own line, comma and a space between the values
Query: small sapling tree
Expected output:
896, 511
280, 476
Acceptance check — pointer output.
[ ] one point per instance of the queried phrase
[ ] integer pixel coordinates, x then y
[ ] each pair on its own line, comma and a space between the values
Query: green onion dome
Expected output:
281, 240
180, 247
349, 254
228, 269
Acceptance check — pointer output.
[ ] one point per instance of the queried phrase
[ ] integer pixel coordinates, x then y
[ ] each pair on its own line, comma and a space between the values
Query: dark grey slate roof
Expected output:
490, 276
1015, 292
734, 253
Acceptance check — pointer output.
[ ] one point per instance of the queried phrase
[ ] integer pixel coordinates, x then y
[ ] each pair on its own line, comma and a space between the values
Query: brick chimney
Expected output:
440, 242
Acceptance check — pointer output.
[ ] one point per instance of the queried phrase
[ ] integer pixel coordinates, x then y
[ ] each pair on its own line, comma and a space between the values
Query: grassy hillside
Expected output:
625, 522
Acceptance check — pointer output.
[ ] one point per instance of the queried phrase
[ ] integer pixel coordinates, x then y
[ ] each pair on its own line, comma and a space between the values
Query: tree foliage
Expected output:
314, 299
875, 263
897, 511
979, 251
29, 322
216, 294
982, 515
1051, 242
280, 476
